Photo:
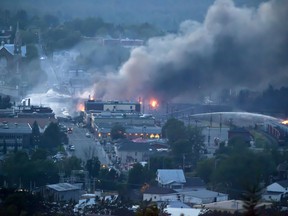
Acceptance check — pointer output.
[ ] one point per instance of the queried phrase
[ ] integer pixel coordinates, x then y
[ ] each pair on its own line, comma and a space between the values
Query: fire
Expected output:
285, 122
80, 107
153, 103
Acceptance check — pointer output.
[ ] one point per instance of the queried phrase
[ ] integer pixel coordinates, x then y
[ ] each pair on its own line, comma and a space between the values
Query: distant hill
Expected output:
166, 14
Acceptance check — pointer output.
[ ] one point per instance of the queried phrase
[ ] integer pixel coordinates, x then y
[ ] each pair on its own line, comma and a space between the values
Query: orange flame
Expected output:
80, 107
285, 122
153, 103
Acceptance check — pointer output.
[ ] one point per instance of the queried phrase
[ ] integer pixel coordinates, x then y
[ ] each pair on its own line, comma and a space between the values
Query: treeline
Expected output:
271, 101
64, 35
5, 102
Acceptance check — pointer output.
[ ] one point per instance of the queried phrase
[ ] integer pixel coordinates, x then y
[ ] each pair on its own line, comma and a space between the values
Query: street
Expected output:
85, 147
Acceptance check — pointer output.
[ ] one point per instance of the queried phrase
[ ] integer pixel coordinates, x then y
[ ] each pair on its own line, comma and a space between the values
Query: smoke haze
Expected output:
233, 48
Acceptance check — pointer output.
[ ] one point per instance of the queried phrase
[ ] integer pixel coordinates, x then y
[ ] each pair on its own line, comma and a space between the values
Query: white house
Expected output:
276, 191
161, 194
62, 192
188, 195
170, 178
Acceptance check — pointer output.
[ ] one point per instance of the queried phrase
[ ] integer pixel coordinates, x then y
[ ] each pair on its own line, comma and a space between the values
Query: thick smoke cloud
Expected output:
233, 48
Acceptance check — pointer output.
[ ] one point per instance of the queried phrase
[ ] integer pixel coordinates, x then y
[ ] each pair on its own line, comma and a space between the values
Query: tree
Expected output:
160, 162
4, 147
174, 130
240, 168
69, 164
39, 154
18, 169
196, 141
251, 198
205, 168
5, 102
51, 138
93, 166
138, 175
118, 131
147, 208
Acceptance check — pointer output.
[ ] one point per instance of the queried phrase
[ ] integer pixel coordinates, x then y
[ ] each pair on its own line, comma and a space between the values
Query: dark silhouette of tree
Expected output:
147, 208
93, 167
251, 198
51, 138
113, 206
19, 169
174, 130
5, 102
16, 145
4, 147
160, 162
138, 175
35, 135
39, 154
70, 163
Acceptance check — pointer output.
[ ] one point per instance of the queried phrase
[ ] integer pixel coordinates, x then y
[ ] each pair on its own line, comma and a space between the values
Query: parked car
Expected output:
71, 148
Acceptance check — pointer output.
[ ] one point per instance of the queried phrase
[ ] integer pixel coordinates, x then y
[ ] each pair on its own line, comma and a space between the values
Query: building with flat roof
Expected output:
62, 192
112, 106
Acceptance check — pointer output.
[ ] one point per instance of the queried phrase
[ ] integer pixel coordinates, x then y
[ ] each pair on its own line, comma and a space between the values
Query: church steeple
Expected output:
17, 41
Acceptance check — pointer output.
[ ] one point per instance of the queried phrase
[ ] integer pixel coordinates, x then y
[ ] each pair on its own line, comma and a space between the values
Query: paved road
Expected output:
86, 147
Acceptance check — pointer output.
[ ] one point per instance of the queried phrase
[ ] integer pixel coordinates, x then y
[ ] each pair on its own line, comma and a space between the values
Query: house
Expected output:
196, 196
11, 55
62, 192
231, 206
14, 135
157, 194
276, 191
173, 186
128, 152
170, 178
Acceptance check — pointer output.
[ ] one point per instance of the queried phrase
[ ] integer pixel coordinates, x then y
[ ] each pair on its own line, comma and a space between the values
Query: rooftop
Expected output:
159, 190
168, 176
127, 145
15, 128
62, 187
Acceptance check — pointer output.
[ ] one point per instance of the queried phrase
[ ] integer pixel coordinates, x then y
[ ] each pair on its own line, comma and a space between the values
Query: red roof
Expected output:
42, 122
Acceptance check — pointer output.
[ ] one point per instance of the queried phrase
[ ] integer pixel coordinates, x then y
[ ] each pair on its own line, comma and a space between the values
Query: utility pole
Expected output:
183, 162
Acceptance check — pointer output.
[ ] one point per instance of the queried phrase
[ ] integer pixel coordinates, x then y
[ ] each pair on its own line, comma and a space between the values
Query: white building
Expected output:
276, 191
170, 178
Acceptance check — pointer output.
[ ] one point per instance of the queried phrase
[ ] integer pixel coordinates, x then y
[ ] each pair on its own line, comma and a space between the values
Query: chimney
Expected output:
28, 102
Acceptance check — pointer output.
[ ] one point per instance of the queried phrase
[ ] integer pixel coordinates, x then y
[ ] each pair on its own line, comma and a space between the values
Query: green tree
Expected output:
5, 102
118, 131
174, 130
19, 169
93, 167
196, 141
251, 198
69, 164
205, 169
39, 154
160, 162
51, 138
4, 147
241, 168
35, 135
147, 208
138, 175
